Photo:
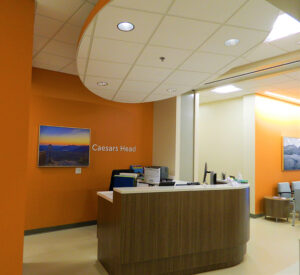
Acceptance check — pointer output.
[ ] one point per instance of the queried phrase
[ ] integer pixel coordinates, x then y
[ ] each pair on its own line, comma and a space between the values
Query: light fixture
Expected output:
171, 90
226, 89
284, 26
283, 97
102, 83
125, 26
232, 42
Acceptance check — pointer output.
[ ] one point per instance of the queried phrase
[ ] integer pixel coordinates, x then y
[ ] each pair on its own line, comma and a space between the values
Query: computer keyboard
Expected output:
193, 183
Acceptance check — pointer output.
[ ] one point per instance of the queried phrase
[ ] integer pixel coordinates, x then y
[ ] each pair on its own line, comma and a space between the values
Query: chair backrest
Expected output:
117, 172
295, 185
297, 199
284, 189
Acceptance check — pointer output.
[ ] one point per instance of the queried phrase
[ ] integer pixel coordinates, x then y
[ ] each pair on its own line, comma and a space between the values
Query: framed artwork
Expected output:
291, 153
63, 147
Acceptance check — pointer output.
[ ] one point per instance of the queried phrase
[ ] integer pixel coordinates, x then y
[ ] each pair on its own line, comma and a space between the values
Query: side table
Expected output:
277, 207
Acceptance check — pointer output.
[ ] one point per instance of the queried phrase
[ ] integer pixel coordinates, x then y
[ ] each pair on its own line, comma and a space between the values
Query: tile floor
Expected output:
273, 249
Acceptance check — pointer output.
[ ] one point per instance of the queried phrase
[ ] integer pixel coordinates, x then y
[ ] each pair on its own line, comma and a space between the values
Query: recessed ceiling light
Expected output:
284, 26
102, 83
125, 26
283, 97
171, 90
232, 42
226, 89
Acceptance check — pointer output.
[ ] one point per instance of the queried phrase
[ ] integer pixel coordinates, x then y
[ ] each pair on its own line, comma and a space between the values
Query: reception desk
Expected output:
172, 230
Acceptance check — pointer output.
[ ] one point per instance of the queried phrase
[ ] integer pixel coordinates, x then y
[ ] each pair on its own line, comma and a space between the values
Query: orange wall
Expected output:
57, 196
273, 119
16, 27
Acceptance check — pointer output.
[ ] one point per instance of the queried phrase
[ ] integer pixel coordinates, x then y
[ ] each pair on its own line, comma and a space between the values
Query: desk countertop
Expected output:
108, 195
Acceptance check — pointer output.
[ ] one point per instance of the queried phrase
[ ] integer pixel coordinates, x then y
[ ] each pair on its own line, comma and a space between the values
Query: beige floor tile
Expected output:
273, 249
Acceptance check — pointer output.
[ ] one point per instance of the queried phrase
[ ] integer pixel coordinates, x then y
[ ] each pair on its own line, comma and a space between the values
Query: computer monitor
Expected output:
205, 172
164, 172
152, 175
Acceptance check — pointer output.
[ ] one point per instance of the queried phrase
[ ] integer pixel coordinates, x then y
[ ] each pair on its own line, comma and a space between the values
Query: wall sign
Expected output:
111, 148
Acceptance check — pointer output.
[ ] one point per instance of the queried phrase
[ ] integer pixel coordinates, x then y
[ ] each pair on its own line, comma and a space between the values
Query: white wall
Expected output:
164, 134
186, 151
226, 138
221, 136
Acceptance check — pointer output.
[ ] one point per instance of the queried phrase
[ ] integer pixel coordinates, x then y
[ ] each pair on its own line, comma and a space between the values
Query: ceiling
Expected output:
190, 34
58, 24
287, 84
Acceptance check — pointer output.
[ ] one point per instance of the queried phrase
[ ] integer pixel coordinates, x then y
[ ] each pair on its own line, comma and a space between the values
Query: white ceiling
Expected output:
56, 31
190, 34
287, 84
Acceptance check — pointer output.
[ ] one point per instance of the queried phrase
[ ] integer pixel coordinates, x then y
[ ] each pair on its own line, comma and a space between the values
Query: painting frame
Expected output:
285, 142
63, 166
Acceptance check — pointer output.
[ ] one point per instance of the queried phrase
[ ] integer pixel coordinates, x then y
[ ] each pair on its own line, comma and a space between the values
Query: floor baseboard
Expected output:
59, 227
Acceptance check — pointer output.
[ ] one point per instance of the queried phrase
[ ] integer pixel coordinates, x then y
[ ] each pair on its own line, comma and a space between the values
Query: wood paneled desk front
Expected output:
172, 230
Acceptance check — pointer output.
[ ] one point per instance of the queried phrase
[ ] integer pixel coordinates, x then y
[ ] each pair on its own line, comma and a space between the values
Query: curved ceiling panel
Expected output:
175, 45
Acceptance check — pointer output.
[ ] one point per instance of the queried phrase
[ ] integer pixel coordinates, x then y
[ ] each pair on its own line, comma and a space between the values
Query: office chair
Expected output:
296, 205
117, 172
284, 189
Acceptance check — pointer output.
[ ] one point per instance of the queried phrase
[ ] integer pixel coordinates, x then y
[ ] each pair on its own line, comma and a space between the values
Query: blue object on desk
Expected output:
121, 181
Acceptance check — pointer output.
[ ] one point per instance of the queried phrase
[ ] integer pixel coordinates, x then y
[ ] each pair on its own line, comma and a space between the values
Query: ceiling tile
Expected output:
156, 98
160, 6
173, 57
137, 96
182, 33
187, 78
53, 60
81, 15
295, 74
58, 9
106, 94
290, 43
163, 89
109, 17
140, 73
41, 65
84, 47
94, 2
256, 14
81, 64
234, 64
68, 34
113, 83
39, 42
206, 62
61, 49
70, 69
263, 51
209, 10
45, 26
248, 39
263, 82
115, 51
138, 86
107, 69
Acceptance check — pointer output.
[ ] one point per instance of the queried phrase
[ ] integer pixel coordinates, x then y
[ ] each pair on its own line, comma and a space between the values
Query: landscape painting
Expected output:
63, 147
291, 153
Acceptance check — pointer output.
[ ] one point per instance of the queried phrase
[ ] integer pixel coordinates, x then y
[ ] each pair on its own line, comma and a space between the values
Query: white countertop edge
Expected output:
108, 195
134, 190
